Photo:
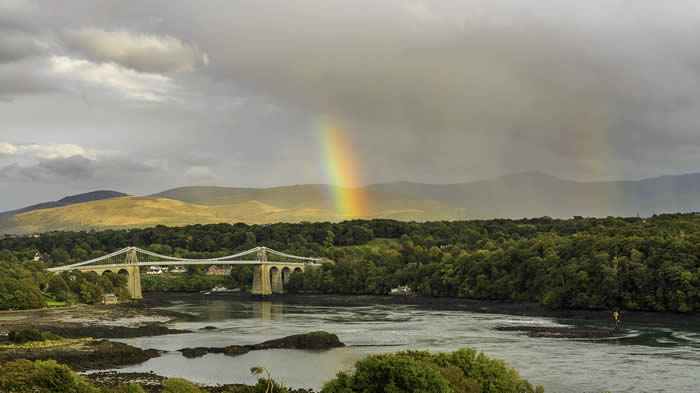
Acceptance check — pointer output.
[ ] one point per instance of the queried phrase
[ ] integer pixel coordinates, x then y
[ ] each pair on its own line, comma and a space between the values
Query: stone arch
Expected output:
286, 272
298, 270
276, 280
106, 271
124, 272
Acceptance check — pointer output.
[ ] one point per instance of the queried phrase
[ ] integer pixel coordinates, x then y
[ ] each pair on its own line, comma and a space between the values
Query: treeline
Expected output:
28, 285
194, 281
631, 263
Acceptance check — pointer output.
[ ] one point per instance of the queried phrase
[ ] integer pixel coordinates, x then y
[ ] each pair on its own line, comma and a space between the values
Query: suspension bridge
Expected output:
271, 268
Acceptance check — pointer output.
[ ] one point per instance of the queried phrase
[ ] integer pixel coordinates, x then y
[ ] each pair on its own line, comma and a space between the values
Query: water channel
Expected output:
648, 359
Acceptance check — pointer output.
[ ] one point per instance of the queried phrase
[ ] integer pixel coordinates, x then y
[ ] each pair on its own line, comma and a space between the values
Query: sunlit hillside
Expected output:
133, 212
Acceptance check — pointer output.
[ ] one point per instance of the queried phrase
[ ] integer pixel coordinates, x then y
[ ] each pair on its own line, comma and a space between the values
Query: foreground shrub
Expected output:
493, 374
455, 378
25, 335
389, 373
29, 335
41, 377
462, 371
179, 385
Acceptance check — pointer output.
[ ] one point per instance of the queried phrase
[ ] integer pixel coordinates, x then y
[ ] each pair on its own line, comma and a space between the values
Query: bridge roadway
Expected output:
268, 276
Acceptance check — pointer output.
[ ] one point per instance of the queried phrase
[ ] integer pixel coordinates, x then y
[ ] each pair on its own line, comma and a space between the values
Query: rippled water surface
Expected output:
647, 360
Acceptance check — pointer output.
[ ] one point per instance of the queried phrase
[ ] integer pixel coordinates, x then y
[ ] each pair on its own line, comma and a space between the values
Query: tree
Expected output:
60, 256
388, 373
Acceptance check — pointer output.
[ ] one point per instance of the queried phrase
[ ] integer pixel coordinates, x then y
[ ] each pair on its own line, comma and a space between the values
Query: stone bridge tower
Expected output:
134, 283
270, 277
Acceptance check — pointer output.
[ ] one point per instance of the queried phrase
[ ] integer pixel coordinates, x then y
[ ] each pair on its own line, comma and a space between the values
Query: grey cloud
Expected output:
140, 51
19, 41
51, 170
16, 46
126, 165
25, 77
198, 158
200, 175
70, 167
467, 79
74, 168
22, 15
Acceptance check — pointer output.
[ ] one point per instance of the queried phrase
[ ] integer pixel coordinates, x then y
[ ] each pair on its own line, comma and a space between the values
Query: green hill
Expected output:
139, 212
529, 194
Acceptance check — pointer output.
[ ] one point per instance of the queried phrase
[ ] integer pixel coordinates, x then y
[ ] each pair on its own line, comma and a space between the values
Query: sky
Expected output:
140, 97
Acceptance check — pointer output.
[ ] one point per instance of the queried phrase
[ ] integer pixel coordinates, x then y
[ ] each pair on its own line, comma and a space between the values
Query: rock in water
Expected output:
194, 352
235, 350
313, 340
231, 350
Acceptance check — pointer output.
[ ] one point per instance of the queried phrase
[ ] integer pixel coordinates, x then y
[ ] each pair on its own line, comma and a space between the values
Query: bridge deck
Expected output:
178, 263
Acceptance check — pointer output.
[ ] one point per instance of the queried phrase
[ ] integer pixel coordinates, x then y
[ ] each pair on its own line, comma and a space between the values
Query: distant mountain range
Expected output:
534, 194
530, 194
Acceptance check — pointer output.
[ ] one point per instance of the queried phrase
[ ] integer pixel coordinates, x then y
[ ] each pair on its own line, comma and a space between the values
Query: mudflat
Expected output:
81, 328
80, 354
96, 321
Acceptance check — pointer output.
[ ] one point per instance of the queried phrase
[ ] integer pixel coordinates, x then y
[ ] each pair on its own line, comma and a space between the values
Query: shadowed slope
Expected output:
69, 200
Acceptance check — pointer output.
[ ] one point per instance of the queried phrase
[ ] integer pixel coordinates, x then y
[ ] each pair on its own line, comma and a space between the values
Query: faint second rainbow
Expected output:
342, 171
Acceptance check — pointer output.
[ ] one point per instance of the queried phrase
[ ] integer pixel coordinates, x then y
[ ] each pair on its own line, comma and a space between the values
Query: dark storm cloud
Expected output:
434, 91
70, 167
462, 81
55, 163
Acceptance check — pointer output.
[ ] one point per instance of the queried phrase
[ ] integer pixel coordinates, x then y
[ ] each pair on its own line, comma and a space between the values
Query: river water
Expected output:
649, 359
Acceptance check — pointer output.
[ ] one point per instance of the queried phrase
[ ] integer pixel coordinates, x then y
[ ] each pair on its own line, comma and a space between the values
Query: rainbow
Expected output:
342, 171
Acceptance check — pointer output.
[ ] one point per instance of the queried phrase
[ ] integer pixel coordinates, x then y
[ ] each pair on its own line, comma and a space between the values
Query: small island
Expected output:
313, 341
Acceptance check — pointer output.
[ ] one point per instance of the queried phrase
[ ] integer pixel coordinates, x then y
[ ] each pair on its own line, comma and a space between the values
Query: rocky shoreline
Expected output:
123, 320
82, 355
84, 330
153, 383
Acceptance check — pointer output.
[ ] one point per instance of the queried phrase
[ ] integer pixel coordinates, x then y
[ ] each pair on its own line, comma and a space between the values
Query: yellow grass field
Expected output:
140, 212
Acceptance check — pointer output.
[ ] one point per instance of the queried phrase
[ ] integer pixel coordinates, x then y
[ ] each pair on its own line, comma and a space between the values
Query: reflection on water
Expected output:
648, 359
267, 310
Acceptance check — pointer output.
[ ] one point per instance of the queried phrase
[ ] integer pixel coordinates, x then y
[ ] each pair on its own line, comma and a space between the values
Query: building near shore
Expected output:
218, 270
155, 270
401, 290
110, 298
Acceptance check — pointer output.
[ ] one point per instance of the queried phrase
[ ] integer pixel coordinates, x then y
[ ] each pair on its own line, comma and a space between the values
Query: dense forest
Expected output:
27, 285
630, 263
